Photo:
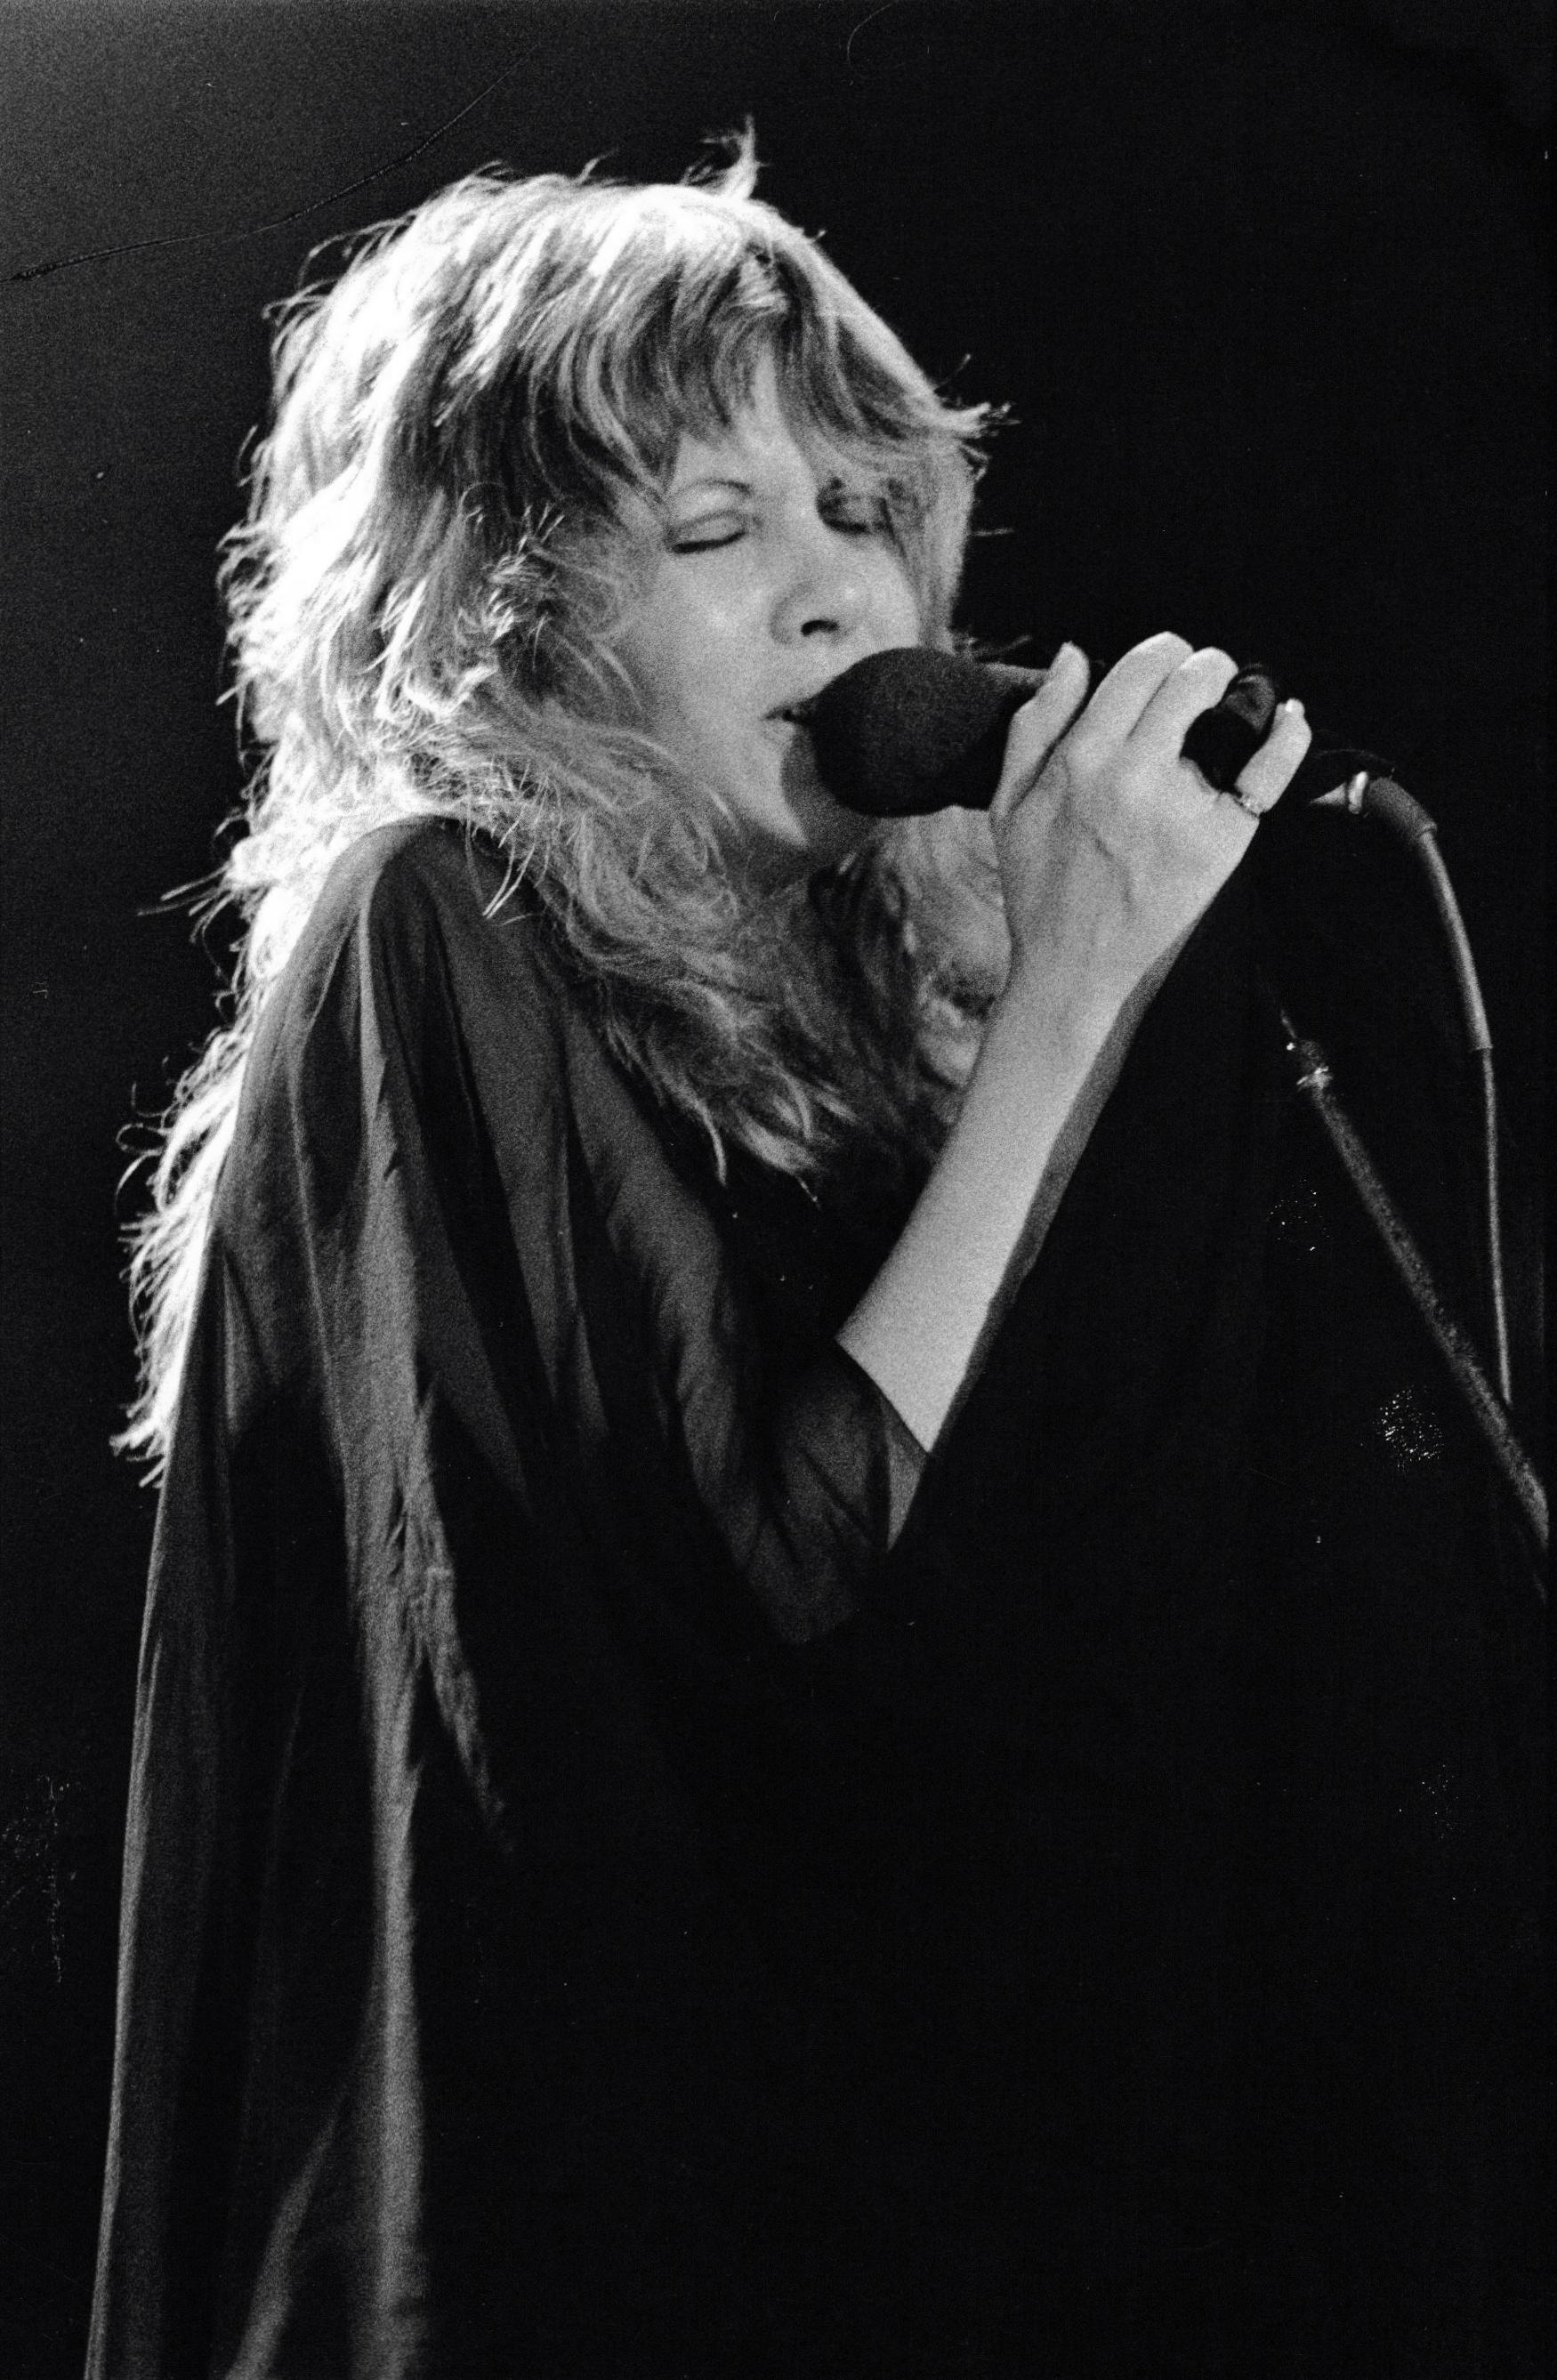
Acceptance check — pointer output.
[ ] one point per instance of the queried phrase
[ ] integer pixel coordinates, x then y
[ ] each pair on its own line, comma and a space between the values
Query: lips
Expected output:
798, 714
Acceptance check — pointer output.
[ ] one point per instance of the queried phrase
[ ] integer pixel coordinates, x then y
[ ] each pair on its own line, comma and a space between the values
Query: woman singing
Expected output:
749, 1755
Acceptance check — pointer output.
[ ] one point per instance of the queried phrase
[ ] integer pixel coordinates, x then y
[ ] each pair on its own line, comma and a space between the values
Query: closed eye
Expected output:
701, 537
856, 512
851, 511
857, 524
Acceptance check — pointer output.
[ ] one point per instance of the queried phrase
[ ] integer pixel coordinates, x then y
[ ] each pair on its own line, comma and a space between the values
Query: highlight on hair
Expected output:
421, 601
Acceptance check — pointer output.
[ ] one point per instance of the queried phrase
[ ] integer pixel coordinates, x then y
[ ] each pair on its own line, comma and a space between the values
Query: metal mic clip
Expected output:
1349, 797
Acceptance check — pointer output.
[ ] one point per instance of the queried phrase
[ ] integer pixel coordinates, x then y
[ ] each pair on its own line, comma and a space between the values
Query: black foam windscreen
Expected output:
912, 730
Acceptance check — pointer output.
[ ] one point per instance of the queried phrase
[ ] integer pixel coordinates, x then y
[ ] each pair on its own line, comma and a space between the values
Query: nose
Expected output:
825, 591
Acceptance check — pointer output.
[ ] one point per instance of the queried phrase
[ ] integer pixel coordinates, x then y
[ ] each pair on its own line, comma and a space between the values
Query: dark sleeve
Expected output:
531, 1183
465, 1673
157, 2235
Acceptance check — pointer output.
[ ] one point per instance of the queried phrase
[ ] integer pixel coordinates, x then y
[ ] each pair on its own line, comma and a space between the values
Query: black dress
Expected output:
601, 1899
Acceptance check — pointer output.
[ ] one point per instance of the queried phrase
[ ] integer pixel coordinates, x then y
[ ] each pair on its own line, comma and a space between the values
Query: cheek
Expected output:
896, 604
691, 659
711, 687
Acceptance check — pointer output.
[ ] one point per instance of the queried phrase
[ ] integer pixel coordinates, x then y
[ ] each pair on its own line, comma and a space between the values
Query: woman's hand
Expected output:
1111, 843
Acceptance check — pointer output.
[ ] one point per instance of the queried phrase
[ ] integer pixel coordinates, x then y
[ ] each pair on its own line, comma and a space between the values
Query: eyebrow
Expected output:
725, 482
710, 483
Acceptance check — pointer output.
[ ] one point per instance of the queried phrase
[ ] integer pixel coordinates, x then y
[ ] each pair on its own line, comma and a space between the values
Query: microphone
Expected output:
913, 730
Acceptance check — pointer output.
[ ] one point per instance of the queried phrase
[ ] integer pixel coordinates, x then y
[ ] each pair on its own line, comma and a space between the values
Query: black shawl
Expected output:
601, 1899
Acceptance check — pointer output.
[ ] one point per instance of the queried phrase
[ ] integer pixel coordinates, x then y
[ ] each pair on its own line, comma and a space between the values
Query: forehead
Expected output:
763, 435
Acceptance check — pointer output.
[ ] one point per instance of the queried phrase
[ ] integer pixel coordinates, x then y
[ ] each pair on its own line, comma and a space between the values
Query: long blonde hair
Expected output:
421, 599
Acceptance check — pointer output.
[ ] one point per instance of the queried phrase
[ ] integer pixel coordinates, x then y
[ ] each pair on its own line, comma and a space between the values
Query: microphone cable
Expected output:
1382, 798
1364, 795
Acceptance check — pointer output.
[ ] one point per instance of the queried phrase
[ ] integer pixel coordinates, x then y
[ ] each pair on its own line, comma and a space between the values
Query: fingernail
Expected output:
1294, 706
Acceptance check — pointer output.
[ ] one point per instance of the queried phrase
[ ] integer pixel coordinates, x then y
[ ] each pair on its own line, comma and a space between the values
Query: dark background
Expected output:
1264, 287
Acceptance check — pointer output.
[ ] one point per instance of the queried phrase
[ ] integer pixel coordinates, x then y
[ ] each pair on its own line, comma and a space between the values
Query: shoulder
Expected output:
419, 909
395, 884
412, 962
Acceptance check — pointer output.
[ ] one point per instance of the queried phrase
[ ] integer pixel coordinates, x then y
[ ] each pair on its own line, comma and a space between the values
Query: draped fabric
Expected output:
632, 1872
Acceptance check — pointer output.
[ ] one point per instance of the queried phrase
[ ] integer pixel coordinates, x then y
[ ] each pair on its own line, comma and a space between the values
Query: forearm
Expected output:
1043, 1073
1111, 846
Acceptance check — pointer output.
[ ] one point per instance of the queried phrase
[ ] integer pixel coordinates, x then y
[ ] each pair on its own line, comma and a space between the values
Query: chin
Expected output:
837, 838
823, 829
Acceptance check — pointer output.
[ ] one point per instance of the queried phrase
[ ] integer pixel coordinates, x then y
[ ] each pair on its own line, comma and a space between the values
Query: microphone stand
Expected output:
1311, 1076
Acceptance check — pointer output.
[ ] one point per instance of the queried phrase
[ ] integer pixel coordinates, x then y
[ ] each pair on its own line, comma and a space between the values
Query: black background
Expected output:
1264, 287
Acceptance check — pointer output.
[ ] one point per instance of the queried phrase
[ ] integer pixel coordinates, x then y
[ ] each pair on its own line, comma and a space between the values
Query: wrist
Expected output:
1062, 1012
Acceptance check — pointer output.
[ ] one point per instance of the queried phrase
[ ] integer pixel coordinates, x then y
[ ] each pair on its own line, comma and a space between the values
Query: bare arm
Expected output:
1111, 847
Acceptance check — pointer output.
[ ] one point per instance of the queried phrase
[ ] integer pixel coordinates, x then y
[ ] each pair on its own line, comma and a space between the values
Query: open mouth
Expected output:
800, 712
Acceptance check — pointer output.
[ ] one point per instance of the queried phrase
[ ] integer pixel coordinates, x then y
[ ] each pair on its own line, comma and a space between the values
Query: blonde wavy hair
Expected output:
421, 599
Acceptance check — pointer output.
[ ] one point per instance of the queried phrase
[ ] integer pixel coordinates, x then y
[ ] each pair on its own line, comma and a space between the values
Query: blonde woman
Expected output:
555, 1938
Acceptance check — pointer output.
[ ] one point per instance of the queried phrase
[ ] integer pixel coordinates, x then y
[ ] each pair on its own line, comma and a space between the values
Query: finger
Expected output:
1198, 685
1266, 777
1119, 701
1039, 725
